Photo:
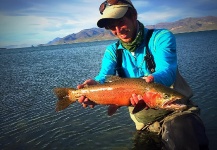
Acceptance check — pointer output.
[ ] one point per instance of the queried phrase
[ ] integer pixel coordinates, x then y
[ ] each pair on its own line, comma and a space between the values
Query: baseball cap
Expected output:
115, 11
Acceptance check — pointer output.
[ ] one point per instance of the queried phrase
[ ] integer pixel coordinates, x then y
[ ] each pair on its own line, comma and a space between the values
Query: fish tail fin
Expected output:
64, 98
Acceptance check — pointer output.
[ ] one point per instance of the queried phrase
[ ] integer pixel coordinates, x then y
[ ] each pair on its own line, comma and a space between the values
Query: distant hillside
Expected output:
189, 25
86, 35
180, 26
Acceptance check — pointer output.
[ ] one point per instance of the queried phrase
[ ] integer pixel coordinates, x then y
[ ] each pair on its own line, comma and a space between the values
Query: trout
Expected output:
116, 92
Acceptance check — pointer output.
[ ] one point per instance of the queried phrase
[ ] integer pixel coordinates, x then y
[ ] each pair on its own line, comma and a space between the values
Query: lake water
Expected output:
27, 104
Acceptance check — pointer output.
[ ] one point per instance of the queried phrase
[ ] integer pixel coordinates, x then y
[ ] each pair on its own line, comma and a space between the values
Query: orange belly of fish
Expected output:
119, 97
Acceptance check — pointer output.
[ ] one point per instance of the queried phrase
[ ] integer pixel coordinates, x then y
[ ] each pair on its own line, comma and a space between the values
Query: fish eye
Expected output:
166, 96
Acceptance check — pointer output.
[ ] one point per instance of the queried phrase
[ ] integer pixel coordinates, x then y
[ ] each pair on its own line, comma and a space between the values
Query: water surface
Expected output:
28, 75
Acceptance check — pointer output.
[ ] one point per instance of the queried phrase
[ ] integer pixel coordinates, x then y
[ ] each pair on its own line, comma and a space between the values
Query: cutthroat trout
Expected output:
117, 92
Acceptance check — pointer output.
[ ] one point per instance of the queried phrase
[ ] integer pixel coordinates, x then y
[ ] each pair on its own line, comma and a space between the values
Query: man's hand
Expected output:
149, 79
83, 99
136, 98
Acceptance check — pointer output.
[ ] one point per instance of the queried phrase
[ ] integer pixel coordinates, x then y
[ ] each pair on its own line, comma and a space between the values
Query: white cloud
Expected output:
151, 18
21, 29
40, 23
37, 29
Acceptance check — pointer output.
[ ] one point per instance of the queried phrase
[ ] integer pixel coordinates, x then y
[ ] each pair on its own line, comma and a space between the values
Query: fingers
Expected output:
90, 82
80, 86
86, 102
135, 99
149, 79
132, 101
83, 100
89, 103
86, 83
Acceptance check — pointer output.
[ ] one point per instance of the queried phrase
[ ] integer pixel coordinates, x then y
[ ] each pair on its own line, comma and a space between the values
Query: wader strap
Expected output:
119, 67
149, 57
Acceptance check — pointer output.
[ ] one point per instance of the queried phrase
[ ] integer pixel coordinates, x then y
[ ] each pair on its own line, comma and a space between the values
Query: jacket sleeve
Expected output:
165, 57
108, 66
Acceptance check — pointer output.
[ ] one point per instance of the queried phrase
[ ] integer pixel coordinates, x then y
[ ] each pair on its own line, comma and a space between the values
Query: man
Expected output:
178, 130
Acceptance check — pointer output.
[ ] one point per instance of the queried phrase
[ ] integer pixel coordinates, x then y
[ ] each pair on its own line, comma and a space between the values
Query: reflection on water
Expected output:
28, 75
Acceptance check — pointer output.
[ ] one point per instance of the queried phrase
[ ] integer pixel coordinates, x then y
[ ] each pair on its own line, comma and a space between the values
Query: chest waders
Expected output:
150, 119
169, 130
144, 117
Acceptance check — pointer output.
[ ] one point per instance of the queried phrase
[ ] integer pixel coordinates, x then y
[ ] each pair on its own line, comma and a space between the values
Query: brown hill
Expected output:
189, 25
180, 26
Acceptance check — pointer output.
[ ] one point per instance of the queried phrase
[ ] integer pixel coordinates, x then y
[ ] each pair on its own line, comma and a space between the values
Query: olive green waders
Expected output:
177, 130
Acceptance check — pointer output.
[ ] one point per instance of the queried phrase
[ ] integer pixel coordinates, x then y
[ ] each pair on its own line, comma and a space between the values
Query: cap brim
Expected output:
112, 12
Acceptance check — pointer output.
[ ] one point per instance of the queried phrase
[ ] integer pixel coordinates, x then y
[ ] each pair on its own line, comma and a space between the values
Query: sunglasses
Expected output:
111, 25
111, 2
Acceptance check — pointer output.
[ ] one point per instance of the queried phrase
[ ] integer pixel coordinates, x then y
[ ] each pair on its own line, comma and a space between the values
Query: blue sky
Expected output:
32, 22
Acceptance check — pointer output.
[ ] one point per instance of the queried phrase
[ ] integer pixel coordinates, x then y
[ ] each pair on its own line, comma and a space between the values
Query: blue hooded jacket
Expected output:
162, 46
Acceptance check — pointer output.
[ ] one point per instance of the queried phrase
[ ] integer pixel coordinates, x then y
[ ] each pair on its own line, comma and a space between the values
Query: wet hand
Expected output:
149, 79
84, 100
135, 99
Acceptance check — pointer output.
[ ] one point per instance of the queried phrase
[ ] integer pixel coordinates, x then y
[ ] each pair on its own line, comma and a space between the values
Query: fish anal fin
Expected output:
139, 106
112, 109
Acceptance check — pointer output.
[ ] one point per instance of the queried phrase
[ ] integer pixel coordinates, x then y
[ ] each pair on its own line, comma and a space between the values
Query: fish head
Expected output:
173, 102
165, 99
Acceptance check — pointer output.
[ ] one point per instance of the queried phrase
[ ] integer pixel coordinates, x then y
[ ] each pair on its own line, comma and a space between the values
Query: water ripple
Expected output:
28, 119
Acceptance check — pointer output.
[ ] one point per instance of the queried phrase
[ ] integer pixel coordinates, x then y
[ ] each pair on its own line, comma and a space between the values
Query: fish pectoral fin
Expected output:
139, 106
112, 109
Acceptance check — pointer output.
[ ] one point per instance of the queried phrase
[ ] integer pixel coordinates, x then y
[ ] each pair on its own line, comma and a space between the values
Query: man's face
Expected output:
125, 28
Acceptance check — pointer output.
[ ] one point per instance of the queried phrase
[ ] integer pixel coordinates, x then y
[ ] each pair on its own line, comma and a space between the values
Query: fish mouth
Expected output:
175, 104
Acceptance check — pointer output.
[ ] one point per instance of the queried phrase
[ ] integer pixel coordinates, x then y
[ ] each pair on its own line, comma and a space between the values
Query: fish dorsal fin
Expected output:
110, 78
